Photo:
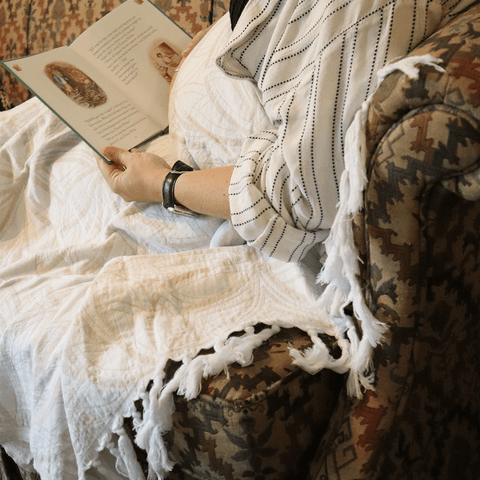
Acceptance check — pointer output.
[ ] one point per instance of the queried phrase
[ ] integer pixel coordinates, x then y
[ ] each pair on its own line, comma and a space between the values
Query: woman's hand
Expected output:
138, 177
193, 43
135, 176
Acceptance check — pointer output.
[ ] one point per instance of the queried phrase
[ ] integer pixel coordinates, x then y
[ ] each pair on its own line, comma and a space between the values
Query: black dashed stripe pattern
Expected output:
315, 63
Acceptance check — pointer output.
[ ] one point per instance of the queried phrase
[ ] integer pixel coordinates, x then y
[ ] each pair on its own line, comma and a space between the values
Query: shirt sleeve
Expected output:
285, 187
314, 63
284, 192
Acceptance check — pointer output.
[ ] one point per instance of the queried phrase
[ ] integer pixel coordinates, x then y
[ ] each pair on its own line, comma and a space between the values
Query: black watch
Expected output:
168, 189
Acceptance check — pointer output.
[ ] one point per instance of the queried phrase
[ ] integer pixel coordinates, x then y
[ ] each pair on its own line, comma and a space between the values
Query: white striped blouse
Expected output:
314, 62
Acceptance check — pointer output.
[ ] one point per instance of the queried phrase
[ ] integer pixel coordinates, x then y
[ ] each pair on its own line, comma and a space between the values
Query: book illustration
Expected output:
75, 84
118, 71
165, 59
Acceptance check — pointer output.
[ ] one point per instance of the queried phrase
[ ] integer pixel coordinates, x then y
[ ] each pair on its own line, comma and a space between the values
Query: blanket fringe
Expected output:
408, 66
235, 349
187, 381
127, 454
341, 269
318, 357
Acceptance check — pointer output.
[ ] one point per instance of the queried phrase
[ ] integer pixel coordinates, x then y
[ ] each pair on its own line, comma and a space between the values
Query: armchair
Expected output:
418, 239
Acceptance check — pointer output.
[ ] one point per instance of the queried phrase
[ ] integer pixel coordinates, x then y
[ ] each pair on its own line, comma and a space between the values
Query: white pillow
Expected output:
211, 113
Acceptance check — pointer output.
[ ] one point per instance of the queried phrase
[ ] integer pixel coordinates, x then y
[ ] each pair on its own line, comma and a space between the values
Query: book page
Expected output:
161, 146
138, 48
86, 101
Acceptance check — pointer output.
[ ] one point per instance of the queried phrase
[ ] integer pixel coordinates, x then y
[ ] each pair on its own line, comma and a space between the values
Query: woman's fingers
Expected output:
135, 176
109, 172
116, 155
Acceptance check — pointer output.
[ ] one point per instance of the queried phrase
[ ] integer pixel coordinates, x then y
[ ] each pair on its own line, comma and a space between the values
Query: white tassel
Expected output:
157, 456
129, 457
318, 357
235, 349
122, 449
355, 153
408, 65
341, 269
158, 408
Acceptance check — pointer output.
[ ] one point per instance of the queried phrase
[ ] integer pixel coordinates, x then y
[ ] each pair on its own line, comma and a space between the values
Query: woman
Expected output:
311, 65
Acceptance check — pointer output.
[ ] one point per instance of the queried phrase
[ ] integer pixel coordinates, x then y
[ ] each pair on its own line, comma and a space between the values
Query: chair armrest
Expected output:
418, 237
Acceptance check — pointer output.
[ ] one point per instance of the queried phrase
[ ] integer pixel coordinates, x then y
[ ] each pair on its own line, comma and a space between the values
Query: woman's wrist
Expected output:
205, 191
168, 189
139, 177
152, 188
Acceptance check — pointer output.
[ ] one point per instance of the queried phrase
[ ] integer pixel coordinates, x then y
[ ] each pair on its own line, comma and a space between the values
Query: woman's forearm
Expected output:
137, 176
205, 191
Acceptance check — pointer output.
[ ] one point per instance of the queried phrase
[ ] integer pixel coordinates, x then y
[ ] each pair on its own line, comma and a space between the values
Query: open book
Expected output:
111, 84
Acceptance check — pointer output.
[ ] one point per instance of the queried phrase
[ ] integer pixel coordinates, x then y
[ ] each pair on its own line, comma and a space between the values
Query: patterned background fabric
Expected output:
33, 26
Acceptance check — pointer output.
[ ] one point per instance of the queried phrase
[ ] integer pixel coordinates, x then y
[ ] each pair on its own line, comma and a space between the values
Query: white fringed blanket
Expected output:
94, 301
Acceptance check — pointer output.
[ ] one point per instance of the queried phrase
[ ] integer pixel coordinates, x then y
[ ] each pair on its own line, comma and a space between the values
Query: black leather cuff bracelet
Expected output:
168, 189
